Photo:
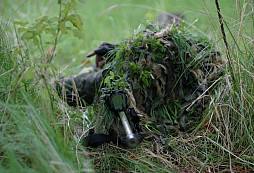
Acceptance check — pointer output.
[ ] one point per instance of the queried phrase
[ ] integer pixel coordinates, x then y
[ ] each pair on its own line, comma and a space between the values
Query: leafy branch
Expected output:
52, 27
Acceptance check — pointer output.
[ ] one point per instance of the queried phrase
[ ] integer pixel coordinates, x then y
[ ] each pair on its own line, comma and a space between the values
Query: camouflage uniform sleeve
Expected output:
83, 86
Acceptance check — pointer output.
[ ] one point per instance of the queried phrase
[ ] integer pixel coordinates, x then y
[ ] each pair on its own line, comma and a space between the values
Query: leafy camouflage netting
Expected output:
168, 74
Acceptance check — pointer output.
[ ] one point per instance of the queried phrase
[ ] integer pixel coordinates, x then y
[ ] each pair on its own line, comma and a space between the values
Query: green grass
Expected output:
29, 142
34, 140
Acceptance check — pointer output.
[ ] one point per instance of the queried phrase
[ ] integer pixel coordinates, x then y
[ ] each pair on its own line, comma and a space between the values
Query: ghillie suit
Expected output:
168, 76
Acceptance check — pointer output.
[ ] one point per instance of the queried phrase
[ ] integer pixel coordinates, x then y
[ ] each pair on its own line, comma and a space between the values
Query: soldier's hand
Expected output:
100, 52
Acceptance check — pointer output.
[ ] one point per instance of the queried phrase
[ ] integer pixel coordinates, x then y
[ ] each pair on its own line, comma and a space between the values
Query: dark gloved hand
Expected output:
100, 54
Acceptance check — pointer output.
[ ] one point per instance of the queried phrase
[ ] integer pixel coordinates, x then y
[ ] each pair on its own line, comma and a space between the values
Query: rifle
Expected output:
116, 101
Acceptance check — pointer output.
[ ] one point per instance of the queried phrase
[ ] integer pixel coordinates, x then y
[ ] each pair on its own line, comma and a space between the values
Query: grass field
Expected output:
34, 140
114, 21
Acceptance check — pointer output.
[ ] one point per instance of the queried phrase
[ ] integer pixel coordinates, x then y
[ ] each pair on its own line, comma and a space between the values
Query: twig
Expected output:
58, 31
225, 41
203, 94
8, 71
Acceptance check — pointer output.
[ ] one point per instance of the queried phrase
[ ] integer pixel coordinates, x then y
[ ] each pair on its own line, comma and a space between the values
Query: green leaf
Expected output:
41, 19
133, 66
107, 81
76, 21
65, 10
22, 29
53, 19
112, 75
40, 27
20, 23
78, 34
51, 31
36, 41
118, 54
27, 35
63, 28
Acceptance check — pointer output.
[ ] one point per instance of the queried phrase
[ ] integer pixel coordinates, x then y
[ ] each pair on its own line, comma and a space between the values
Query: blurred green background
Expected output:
113, 21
